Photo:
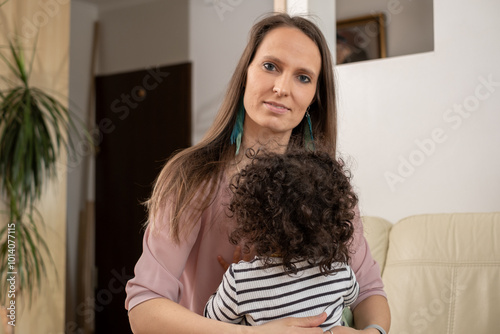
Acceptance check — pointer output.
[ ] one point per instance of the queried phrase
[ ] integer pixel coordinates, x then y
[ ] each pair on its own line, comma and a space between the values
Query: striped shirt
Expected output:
252, 295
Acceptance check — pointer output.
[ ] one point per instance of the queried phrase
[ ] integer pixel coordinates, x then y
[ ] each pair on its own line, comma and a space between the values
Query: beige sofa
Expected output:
441, 271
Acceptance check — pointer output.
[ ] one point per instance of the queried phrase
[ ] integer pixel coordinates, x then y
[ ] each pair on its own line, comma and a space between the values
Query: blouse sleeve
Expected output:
158, 270
366, 269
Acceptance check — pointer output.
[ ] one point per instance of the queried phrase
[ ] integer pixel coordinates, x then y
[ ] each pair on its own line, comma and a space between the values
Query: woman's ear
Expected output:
313, 100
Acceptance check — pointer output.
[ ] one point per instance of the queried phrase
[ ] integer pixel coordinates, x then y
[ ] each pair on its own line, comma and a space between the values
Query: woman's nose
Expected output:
282, 86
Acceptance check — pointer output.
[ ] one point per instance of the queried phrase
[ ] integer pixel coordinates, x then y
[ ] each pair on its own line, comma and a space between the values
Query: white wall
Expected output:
218, 32
402, 116
322, 12
409, 24
141, 34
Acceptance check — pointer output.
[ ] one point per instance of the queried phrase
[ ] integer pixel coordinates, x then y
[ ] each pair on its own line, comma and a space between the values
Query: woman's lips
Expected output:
276, 107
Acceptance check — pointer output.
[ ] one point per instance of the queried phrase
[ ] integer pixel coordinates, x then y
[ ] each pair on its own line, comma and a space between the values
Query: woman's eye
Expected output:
304, 79
269, 66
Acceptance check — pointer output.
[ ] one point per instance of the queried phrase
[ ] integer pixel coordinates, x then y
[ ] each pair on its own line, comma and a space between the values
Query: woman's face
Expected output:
281, 84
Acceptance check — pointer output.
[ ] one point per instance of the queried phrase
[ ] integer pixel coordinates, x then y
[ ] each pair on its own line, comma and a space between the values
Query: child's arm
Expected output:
223, 304
353, 289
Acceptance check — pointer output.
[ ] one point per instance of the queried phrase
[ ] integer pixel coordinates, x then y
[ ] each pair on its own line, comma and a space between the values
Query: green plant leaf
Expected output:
20, 66
33, 129
30, 263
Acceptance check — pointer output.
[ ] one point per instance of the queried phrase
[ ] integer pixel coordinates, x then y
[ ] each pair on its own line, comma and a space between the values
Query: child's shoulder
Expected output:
255, 264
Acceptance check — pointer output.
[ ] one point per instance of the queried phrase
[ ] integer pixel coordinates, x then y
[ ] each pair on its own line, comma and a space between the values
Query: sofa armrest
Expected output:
376, 231
442, 274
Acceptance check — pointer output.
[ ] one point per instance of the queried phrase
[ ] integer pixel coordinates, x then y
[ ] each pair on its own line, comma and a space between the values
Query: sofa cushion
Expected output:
376, 231
442, 273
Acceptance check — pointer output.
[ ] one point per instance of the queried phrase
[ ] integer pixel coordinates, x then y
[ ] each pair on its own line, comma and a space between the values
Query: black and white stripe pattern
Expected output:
252, 295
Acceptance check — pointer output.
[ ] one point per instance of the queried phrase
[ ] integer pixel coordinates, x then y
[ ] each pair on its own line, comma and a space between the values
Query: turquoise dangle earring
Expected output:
238, 127
308, 132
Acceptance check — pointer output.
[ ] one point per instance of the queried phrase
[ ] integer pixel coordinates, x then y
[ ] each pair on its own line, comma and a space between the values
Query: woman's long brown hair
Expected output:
198, 169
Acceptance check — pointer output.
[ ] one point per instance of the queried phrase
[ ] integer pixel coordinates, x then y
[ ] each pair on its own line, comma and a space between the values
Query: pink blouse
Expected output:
189, 273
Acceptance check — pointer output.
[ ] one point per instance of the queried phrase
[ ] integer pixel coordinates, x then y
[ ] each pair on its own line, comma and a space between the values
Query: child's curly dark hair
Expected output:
297, 205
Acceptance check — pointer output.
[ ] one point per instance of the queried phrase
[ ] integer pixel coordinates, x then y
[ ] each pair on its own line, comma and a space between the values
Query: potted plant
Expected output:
33, 130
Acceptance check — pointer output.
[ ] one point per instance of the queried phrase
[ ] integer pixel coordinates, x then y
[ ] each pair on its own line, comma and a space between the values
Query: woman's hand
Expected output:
305, 325
237, 257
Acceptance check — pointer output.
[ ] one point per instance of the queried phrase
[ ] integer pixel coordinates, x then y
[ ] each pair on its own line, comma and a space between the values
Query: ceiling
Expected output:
113, 4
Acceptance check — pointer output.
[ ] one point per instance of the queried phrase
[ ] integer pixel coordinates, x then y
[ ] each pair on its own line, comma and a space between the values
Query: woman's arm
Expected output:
163, 316
372, 310
371, 306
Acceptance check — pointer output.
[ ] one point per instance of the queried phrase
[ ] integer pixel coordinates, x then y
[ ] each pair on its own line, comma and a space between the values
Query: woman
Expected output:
281, 91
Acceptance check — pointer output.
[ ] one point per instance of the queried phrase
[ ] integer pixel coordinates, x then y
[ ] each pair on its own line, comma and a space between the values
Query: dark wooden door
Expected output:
143, 117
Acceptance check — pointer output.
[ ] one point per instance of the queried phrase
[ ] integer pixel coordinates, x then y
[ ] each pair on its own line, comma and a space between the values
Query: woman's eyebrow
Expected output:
278, 61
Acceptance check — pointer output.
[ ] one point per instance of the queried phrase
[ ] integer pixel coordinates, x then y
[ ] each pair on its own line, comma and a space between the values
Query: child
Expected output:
293, 210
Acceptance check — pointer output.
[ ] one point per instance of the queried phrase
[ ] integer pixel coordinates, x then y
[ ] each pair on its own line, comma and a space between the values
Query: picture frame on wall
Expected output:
361, 38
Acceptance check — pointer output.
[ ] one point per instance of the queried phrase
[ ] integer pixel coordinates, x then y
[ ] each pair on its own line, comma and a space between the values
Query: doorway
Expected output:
143, 116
